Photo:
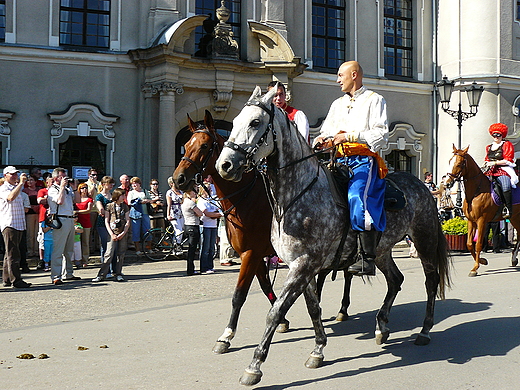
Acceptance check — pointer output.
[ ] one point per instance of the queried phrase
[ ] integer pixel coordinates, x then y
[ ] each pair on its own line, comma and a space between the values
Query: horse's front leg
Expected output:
514, 254
262, 274
296, 282
247, 272
315, 360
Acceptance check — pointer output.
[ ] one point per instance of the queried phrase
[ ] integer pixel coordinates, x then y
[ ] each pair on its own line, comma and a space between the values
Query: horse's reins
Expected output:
199, 180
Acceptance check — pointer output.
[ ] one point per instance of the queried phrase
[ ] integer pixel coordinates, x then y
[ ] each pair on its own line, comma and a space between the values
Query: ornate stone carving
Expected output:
222, 100
162, 87
4, 128
56, 130
223, 46
109, 132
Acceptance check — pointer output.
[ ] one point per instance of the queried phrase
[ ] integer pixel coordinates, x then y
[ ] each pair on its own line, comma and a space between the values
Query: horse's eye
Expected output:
254, 123
204, 146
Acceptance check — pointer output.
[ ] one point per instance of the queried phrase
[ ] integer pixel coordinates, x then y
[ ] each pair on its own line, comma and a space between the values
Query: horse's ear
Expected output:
191, 124
455, 149
257, 92
268, 97
466, 150
208, 121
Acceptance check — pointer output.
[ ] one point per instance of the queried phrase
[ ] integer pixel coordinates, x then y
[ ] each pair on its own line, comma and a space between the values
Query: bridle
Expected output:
458, 176
251, 151
198, 177
200, 168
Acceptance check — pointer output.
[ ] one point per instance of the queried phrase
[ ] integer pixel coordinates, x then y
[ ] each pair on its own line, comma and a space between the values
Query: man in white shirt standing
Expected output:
357, 125
12, 224
61, 198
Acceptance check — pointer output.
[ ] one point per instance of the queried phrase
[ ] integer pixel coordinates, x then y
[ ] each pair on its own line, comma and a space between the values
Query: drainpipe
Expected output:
435, 106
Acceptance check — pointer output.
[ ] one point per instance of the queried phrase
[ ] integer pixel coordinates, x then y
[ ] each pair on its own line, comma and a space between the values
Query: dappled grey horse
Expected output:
308, 225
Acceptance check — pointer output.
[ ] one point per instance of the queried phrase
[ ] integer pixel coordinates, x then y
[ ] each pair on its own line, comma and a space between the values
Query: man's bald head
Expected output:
350, 77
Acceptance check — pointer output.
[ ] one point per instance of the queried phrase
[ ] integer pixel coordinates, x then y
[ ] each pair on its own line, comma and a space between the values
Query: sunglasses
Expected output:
496, 135
155, 184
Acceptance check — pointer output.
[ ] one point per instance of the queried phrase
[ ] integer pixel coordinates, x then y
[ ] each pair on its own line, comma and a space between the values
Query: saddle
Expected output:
338, 176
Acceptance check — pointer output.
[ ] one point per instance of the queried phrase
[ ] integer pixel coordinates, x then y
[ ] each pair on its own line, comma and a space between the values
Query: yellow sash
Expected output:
347, 149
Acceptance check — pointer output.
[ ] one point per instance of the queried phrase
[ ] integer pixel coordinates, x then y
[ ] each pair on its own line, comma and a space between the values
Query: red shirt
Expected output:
43, 207
84, 218
508, 153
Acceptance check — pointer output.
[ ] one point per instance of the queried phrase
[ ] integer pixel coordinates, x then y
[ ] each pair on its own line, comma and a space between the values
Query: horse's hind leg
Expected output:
432, 284
315, 360
394, 280
345, 301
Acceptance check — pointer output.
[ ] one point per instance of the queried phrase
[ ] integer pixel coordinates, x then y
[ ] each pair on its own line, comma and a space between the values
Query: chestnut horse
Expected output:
248, 217
479, 207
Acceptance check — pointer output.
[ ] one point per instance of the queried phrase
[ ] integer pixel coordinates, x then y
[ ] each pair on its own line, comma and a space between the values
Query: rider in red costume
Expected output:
500, 164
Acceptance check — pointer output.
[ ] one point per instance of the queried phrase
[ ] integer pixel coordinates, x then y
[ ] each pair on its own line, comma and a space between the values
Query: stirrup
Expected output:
505, 212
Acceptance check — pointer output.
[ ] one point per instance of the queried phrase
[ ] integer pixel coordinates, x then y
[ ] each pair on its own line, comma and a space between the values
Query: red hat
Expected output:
498, 128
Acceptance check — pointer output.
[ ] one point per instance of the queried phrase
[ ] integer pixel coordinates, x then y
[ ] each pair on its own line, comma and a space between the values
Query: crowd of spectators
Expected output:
94, 217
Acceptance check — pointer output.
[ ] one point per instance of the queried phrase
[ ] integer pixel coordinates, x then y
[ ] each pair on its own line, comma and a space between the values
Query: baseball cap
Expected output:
10, 169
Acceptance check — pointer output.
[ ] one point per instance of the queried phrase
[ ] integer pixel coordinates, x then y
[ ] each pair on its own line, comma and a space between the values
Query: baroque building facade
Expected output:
109, 83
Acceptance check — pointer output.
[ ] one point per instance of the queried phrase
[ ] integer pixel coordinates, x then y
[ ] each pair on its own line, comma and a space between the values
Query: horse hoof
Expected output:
250, 378
514, 263
422, 339
314, 361
483, 261
382, 337
472, 274
282, 327
221, 347
341, 317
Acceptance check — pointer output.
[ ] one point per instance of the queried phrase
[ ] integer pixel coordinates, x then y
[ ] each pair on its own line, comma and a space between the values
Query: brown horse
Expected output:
248, 216
479, 207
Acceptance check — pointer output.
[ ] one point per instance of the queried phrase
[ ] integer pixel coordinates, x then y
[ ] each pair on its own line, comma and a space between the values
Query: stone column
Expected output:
166, 146
166, 128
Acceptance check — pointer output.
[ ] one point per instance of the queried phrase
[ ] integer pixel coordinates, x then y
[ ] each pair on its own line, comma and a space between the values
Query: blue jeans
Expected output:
209, 239
103, 238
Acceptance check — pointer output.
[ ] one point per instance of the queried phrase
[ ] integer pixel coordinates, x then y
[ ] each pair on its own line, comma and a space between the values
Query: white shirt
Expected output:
67, 208
302, 123
12, 214
206, 205
363, 115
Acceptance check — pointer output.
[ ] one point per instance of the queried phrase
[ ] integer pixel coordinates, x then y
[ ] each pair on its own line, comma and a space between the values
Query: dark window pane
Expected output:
398, 38
85, 23
328, 32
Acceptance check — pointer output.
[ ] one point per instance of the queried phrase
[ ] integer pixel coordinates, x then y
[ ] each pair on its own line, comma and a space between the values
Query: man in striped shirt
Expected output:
12, 224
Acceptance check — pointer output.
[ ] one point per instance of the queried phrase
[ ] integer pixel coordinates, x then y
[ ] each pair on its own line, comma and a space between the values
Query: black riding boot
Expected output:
366, 265
507, 211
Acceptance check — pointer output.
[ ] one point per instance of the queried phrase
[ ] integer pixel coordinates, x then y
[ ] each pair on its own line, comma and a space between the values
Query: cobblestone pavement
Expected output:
157, 330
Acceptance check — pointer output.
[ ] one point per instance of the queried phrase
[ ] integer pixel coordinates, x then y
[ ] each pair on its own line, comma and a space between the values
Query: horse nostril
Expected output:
181, 179
226, 166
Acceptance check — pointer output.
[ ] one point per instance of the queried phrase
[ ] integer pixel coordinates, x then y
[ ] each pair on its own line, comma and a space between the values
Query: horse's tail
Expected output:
444, 263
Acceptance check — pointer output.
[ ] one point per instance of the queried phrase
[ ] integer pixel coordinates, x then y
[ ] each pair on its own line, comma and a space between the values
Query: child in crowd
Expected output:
78, 229
47, 243
117, 222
